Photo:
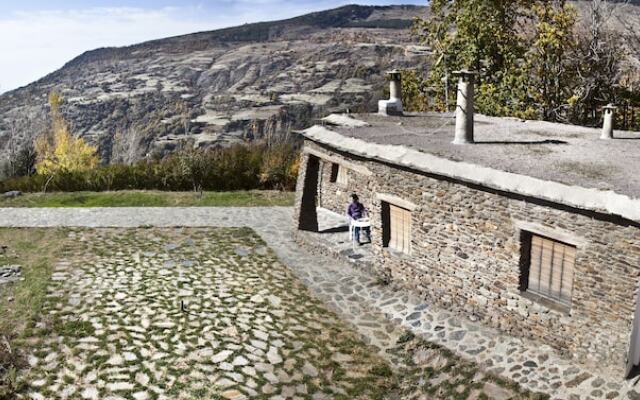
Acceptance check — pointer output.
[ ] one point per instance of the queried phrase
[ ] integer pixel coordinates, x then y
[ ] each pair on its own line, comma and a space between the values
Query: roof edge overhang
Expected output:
608, 202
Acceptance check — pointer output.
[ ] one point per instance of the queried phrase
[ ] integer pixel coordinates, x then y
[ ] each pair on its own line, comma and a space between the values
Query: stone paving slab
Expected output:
361, 299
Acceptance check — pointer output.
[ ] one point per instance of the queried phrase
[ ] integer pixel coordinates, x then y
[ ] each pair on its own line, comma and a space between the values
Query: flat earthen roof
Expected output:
570, 155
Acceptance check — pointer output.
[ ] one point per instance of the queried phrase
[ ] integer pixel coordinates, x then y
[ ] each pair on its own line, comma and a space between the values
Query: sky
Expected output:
40, 36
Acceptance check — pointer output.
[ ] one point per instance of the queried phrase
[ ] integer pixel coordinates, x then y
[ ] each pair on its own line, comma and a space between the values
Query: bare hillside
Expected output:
252, 82
221, 87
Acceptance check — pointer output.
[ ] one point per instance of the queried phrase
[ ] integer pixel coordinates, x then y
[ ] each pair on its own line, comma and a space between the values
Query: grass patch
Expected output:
21, 302
441, 374
382, 370
35, 250
73, 328
10, 362
152, 199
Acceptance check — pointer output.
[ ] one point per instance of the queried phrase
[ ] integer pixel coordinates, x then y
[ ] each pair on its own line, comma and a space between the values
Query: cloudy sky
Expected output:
39, 36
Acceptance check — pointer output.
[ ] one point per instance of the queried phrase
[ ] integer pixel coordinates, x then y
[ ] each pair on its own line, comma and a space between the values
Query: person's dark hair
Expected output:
354, 197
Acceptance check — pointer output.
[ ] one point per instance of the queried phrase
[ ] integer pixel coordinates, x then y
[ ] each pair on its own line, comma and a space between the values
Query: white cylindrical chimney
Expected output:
395, 85
464, 107
393, 106
607, 126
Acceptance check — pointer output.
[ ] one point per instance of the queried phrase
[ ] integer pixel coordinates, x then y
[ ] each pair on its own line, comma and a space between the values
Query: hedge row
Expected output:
235, 168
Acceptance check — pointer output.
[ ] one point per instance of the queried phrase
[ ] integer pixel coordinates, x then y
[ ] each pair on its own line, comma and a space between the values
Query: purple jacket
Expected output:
355, 210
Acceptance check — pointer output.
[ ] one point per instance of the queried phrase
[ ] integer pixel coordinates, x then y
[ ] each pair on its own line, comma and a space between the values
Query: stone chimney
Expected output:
464, 107
607, 126
393, 106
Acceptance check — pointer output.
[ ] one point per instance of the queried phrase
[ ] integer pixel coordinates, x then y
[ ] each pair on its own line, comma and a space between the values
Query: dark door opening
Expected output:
308, 220
633, 358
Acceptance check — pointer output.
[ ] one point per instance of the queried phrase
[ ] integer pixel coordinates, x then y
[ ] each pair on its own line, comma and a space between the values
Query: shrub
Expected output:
279, 168
226, 169
10, 363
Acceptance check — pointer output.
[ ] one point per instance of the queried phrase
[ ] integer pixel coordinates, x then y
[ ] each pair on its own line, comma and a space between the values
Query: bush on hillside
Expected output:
235, 168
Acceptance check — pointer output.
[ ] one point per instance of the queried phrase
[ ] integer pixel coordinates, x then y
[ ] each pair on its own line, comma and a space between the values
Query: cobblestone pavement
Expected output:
190, 314
365, 302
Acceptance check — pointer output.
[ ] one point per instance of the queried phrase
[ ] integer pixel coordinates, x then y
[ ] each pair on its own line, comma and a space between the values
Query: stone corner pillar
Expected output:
393, 106
607, 125
465, 107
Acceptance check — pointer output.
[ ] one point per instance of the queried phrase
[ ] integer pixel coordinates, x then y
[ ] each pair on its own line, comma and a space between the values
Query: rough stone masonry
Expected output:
466, 252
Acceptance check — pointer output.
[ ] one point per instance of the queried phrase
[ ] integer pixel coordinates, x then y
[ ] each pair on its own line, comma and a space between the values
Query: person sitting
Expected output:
356, 211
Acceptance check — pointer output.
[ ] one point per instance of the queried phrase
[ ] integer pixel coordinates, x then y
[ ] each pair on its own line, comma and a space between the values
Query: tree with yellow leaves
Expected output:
58, 151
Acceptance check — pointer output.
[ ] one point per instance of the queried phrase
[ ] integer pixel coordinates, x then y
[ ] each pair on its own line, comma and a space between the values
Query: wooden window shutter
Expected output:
343, 177
400, 228
551, 269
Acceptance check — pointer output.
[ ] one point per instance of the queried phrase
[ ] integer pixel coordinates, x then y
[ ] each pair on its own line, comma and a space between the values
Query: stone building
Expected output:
530, 227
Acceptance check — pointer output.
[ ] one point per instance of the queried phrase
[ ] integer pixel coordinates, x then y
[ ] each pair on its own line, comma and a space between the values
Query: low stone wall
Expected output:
466, 255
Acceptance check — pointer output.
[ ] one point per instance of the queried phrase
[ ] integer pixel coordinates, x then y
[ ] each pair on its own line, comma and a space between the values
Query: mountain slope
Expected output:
221, 87
251, 82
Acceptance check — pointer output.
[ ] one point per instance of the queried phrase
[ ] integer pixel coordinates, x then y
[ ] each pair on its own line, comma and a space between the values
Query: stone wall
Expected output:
334, 196
466, 254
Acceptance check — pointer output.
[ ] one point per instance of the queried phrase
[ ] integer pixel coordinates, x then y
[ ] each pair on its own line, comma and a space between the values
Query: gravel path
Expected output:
378, 312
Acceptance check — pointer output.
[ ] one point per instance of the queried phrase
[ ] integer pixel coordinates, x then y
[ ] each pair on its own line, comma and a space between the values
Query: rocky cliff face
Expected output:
257, 81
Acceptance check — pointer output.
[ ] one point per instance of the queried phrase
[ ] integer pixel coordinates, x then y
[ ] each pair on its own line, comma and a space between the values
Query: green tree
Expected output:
531, 61
415, 92
549, 70
481, 35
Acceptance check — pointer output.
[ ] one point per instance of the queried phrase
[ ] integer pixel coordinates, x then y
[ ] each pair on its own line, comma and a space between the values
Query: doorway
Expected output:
633, 358
308, 220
